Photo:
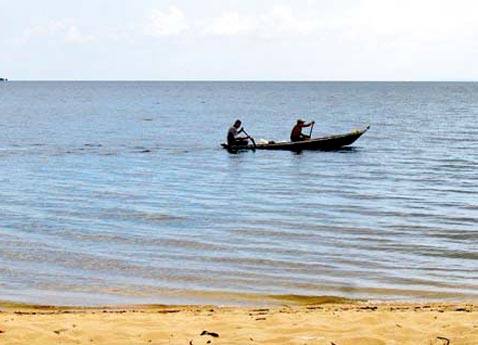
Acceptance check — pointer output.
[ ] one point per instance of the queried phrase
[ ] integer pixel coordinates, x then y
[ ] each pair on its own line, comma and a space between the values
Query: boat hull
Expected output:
328, 143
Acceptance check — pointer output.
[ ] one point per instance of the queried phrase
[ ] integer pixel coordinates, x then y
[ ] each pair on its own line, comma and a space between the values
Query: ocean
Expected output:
119, 192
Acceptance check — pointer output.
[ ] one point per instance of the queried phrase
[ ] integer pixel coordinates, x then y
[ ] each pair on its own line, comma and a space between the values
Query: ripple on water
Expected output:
106, 200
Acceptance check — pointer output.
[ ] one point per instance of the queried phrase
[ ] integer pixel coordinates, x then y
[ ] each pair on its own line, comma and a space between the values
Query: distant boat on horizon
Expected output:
3, 79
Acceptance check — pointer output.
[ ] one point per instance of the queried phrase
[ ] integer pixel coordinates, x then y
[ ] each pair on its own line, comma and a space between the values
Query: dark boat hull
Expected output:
332, 142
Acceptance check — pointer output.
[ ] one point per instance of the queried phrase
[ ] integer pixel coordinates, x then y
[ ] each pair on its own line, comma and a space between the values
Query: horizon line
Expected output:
246, 80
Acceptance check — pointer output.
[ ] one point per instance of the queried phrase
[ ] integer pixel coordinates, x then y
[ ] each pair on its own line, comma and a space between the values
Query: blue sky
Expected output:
239, 40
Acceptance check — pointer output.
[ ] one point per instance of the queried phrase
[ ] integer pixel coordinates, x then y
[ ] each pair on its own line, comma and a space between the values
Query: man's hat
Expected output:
300, 120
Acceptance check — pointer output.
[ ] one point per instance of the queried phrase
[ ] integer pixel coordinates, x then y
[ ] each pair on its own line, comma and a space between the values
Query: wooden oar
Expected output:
252, 139
311, 128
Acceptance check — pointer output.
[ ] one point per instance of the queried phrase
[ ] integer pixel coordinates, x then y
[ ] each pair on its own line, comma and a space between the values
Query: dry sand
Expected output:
339, 324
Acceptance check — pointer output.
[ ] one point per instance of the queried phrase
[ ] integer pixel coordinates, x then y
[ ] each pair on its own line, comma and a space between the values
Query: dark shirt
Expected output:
296, 133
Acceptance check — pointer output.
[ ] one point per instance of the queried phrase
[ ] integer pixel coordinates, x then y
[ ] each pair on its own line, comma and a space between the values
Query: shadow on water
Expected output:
347, 149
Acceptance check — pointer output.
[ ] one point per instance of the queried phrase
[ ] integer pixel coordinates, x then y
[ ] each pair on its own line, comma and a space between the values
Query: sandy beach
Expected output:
339, 324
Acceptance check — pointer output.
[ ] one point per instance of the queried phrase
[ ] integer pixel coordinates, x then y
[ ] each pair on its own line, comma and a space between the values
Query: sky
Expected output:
239, 40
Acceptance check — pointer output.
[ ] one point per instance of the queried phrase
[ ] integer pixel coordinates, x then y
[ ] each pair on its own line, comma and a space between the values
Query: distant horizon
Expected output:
238, 80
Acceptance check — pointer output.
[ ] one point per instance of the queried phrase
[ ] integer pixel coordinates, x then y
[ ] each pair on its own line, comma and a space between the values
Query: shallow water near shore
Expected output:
119, 192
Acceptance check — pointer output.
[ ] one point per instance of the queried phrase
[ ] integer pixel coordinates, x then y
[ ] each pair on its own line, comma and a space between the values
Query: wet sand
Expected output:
339, 324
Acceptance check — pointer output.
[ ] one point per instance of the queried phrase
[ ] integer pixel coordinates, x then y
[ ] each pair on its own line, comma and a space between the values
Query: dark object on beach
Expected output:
212, 334
3, 79
58, 331
446, 340
332, 142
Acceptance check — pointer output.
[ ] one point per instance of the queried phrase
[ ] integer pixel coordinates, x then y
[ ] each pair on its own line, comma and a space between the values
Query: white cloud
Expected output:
166, 23
63, 30
231, 23
283, 20
74, 35
424, 19
419, 20
279, 21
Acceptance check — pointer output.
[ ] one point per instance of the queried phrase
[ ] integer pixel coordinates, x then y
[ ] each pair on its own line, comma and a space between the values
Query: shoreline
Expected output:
246, 300
232, 299
346, 323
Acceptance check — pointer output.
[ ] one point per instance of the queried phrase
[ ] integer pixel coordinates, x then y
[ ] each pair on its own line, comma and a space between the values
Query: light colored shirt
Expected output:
231, 135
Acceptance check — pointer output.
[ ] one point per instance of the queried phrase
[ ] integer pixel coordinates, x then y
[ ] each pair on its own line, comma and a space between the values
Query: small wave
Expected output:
313, 300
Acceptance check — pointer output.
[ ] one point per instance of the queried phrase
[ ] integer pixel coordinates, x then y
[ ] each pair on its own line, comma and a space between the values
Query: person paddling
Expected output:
233, 138
296, 133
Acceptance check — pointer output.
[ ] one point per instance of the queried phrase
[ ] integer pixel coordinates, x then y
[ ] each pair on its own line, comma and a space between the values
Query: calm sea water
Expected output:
118, 192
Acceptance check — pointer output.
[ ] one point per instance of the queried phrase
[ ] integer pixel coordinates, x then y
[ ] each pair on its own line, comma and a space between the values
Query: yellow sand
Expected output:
339, 324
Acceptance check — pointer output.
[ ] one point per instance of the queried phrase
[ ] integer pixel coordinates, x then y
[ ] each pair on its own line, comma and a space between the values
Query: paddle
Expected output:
252, 139
311, 128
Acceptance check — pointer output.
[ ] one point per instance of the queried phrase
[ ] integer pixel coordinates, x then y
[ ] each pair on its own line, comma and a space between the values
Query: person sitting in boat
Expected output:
233, 138
296, 133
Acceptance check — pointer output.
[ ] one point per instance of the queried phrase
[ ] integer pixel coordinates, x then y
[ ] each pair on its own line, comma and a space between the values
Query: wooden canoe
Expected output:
332, 142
